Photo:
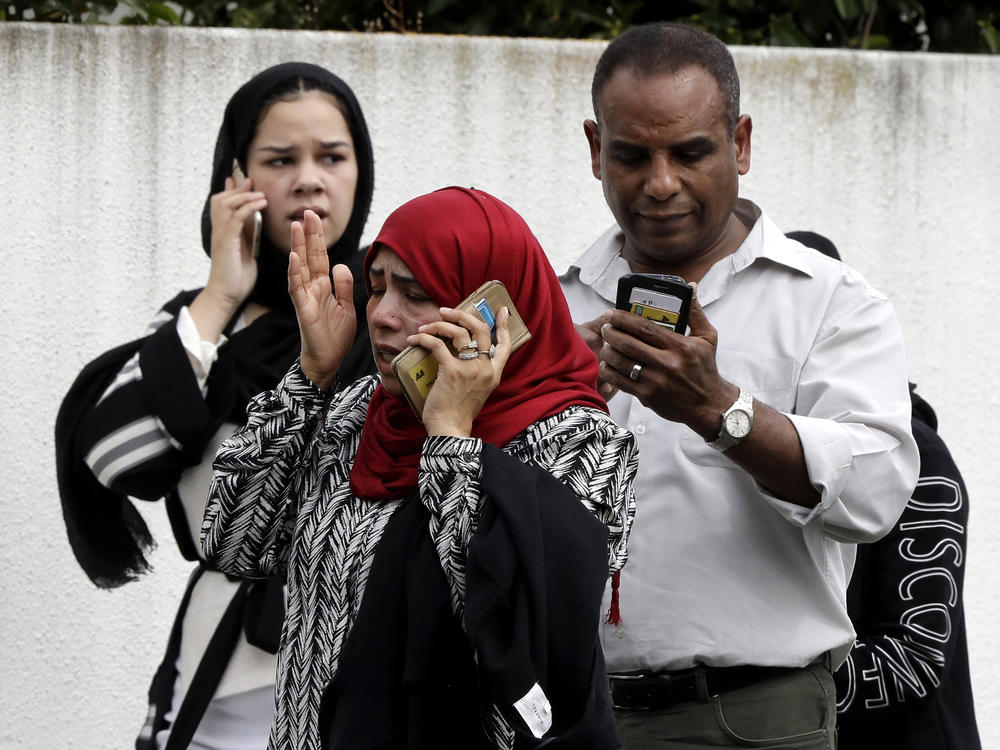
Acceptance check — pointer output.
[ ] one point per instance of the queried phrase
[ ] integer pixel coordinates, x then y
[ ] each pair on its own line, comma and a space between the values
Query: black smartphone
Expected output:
664, 299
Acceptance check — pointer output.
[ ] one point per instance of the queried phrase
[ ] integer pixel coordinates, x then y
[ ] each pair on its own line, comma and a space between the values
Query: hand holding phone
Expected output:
416, 368
664, 299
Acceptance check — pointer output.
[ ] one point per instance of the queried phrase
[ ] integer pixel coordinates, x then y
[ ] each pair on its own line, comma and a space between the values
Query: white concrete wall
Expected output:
106, 137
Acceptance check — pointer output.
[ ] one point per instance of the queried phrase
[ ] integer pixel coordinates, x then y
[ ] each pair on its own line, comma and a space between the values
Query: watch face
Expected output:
738, 423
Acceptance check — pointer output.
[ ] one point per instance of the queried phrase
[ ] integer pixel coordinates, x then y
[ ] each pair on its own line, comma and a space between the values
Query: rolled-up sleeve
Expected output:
852, 415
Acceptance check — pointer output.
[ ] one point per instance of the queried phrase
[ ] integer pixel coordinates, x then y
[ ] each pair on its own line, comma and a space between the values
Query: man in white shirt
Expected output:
773, 437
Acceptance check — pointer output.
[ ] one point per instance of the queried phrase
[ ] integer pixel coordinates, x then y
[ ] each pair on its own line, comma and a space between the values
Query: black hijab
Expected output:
108, 535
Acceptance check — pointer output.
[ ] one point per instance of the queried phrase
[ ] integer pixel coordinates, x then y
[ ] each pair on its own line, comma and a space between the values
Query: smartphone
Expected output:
254, 225
416, 368
664, 299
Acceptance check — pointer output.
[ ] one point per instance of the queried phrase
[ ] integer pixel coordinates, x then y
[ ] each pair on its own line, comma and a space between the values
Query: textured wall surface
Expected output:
106, 137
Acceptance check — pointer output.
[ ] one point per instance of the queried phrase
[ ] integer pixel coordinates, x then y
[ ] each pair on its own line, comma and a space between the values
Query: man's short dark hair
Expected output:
666, 48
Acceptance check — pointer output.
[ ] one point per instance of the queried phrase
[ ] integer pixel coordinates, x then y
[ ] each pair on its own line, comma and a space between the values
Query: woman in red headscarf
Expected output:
444, 574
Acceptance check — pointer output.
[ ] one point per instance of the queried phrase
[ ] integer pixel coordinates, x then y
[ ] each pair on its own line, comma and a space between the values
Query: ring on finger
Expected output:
471, 346
635, 372
470, 355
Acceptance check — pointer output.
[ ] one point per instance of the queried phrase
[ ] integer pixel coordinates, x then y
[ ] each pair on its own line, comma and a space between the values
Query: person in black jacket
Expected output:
144, 419
905, 685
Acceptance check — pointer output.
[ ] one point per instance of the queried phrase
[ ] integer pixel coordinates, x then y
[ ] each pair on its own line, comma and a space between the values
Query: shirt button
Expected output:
640, 429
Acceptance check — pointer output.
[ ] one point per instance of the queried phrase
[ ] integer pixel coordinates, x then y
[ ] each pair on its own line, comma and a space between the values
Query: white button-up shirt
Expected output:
721, 572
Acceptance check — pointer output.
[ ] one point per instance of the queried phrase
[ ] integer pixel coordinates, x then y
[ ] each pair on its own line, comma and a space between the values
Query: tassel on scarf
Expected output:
614, 616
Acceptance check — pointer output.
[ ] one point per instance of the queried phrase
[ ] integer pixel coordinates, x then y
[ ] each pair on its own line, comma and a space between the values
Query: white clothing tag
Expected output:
536, 711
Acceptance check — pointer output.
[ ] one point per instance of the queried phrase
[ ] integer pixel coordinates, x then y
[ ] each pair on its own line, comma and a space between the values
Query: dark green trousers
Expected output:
794, 712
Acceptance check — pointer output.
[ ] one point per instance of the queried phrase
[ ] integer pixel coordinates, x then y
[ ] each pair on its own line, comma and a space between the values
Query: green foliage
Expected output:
58, 11
936, 25
146, 13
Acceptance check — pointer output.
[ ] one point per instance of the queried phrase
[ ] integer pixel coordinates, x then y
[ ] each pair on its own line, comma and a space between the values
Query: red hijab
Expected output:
453, 240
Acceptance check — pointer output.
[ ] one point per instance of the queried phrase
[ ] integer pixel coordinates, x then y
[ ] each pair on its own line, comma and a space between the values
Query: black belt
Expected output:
643, 691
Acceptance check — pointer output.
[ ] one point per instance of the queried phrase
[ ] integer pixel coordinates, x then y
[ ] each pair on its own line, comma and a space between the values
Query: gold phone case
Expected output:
416, 368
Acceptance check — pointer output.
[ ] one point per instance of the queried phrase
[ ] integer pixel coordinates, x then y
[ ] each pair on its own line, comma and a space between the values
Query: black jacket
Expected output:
906, 683
409, 677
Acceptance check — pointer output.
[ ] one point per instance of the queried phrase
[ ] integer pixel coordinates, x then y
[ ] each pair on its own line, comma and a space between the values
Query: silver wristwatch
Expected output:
737, 421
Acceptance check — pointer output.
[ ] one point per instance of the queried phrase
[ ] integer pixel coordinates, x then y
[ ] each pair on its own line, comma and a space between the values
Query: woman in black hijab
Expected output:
144, 419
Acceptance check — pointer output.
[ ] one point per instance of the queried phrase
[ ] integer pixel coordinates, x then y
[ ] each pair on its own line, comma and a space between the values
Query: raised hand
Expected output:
462, 385
324, 308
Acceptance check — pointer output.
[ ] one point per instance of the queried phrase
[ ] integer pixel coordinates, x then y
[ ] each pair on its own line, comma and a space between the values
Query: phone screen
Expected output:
660, 307
665, 300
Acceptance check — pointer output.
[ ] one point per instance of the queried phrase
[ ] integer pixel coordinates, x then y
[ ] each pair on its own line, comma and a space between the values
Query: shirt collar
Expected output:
771, 243
602, 265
